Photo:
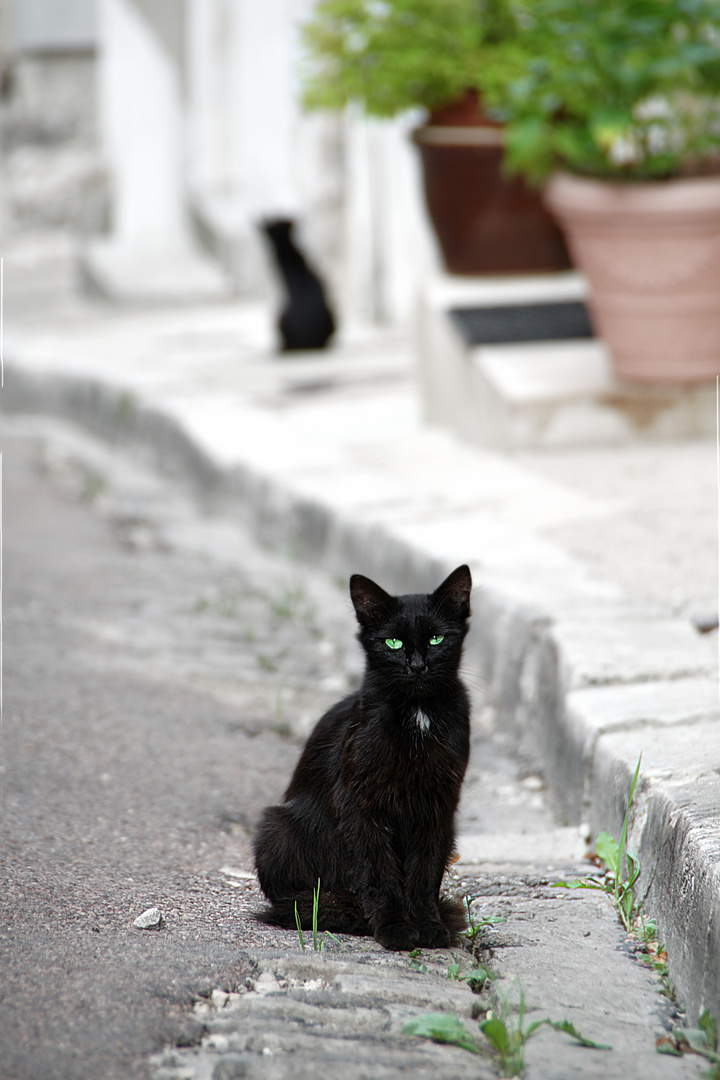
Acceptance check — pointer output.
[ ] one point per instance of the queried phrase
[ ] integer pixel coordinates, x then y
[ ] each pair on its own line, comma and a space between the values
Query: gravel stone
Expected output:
151, 919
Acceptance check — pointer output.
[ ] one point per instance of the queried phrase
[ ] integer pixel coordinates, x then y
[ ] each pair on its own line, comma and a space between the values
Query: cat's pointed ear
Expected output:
455, 591
368, 598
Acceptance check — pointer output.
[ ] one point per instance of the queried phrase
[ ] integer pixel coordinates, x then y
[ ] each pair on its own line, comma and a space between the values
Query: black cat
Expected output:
370, 809
306, 321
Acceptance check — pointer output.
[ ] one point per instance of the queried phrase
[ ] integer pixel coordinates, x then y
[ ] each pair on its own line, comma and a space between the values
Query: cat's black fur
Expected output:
306, 321
370, 808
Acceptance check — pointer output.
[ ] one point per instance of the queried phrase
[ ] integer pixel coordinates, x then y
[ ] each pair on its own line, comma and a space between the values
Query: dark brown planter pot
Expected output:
486, 223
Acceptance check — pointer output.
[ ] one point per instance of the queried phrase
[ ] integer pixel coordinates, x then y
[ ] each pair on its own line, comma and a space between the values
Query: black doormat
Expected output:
523, 322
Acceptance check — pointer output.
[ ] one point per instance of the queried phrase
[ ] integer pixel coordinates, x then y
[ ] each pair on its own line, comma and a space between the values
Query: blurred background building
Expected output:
160, 132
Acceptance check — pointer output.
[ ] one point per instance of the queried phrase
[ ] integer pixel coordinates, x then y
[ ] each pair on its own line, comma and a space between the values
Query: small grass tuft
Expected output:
318, 942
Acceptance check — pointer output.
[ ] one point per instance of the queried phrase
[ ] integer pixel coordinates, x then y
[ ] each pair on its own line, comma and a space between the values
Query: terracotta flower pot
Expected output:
651, 253
486, 223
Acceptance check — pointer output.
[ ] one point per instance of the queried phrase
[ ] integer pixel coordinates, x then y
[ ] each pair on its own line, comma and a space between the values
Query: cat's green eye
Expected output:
393, 643
436, 639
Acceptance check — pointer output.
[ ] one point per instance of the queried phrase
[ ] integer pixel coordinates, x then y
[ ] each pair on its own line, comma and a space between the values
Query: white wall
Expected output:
202, 119
141, 121
53, 24
353, 185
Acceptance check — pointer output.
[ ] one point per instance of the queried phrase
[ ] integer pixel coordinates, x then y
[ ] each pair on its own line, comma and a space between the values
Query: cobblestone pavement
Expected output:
161, 672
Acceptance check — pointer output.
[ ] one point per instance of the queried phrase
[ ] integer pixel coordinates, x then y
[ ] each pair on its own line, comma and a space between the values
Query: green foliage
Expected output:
318, 942
299, 927
622, 870
655, 954
625, 89
442, 1028
416, 963
393, 55
505, 1034
702, 1040
614, 88
476, 978
477, 929
619, 883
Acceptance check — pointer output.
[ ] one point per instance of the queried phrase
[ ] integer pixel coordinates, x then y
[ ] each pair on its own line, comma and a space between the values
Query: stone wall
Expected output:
53, 173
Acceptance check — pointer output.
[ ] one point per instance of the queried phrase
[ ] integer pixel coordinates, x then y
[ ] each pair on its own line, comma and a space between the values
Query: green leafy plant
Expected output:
623, 89
476, 978
619, 884
622, 870
393, 55
477, 927
416, 963
702, 1040
318, 942
655, 954
442, 1028
505, 1035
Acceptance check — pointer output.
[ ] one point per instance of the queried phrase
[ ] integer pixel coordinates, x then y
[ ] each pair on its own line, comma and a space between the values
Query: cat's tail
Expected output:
338, 912
453, 914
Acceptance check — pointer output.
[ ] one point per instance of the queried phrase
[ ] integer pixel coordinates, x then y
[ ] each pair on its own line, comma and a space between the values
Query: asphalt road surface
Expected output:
130, 776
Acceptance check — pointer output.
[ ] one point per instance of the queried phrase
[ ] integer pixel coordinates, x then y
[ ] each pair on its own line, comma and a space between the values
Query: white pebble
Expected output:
149, 920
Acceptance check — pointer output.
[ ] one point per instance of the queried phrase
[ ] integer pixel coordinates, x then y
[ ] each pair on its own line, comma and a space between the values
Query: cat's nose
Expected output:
417, 663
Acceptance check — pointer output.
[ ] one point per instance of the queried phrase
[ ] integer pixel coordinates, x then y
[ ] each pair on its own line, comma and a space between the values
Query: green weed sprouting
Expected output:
507, 1036
475, 978
620, 886
318, 943
504, 1036
299, 928
702, 1040
416, 963
316, 904
477, 928
622, 870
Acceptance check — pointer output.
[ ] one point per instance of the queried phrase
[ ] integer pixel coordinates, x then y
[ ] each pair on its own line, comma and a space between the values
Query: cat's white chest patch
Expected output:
422, 720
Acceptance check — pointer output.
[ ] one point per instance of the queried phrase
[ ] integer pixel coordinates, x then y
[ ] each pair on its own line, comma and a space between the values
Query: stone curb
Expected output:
587, 680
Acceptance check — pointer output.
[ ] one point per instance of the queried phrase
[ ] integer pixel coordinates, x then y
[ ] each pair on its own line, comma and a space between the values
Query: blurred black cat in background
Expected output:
306, 321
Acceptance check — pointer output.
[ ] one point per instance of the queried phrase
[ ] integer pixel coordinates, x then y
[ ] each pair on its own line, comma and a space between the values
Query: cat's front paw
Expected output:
398, 937
433, 935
